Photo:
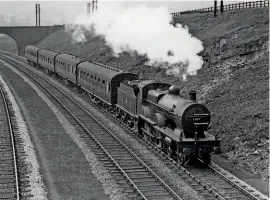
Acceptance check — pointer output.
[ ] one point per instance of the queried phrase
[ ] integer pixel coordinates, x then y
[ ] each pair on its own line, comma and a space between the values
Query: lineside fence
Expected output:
243, 5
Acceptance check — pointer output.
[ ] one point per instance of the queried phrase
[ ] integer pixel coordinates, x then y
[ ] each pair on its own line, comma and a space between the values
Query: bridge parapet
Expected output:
28, 35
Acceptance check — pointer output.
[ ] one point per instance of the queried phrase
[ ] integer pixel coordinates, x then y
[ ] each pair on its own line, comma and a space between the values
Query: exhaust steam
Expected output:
146, 31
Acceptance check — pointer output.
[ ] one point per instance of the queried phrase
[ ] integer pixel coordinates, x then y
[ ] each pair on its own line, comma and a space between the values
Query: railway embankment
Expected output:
233, 82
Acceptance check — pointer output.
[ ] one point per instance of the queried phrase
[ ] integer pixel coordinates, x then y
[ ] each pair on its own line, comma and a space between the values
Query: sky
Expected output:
63, 12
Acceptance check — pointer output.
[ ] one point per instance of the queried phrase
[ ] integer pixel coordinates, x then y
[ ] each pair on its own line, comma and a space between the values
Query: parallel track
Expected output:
127, 167
218, 184
9, 181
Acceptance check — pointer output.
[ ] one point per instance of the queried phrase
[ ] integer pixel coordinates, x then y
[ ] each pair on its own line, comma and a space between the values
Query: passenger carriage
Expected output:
31, 53
46, 59
65, 66
102, 81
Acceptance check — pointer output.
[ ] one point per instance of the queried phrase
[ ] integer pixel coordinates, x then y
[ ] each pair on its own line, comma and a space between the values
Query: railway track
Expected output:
136, 178
212, 183
9, 181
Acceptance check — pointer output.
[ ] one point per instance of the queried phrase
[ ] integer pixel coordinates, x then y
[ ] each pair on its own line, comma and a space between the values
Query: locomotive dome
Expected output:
174, 90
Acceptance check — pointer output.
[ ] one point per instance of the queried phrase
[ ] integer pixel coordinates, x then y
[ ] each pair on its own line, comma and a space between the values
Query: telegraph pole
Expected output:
93, 6
38, 14
88, 9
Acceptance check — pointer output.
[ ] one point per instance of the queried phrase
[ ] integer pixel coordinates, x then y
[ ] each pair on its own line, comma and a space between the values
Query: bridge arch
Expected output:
8, 43
28, 35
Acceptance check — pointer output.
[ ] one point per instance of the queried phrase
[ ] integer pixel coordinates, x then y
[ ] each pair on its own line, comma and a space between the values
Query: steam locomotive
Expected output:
154, 109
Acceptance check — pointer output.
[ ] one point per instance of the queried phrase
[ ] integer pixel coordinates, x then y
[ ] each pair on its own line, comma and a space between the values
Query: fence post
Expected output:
221, 6
215, 8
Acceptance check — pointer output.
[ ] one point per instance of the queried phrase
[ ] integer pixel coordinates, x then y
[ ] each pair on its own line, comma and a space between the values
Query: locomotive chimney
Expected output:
192, 95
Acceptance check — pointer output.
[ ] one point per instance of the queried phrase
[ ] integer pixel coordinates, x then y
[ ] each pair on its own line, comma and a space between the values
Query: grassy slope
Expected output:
236, 95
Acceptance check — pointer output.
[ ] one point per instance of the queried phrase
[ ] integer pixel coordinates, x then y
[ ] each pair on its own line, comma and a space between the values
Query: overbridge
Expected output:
28, 35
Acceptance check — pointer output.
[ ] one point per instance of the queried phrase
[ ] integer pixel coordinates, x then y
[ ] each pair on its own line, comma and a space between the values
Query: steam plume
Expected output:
148, 31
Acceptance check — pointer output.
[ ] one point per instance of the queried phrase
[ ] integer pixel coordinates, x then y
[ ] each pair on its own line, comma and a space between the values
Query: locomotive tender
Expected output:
154, 109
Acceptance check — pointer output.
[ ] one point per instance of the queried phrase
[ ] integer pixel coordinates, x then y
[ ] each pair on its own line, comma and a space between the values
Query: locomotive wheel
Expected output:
181, 158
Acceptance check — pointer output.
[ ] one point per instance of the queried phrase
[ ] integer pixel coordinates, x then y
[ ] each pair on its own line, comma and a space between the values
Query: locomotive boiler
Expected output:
179, 113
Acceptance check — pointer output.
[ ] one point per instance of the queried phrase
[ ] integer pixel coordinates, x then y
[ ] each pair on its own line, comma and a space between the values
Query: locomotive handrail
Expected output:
202, 114
202, 123
172, 112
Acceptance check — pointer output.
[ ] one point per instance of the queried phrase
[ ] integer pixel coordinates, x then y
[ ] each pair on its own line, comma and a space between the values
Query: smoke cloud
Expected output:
147, 31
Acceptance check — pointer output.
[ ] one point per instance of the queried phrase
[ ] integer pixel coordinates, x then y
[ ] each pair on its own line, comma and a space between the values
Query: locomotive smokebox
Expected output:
192, 95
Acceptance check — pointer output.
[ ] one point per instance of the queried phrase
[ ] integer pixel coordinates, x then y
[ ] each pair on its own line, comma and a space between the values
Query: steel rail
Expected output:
234, 184
12, 143
104, 128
